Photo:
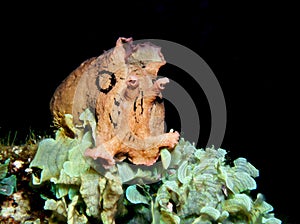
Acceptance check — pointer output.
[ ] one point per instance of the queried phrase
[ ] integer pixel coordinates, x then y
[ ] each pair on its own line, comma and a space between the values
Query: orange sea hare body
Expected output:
121, 86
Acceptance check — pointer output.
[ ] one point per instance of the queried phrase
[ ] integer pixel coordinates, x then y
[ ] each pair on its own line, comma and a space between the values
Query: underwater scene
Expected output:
111, 159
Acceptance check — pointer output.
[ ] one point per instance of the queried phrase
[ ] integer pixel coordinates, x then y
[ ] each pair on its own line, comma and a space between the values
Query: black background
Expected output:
249, 46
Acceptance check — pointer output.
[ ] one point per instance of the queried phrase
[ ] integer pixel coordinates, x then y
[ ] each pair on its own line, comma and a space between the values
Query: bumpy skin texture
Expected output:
121, 86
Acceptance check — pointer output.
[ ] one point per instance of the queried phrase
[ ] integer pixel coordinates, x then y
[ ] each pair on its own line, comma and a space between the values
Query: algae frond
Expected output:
188, 185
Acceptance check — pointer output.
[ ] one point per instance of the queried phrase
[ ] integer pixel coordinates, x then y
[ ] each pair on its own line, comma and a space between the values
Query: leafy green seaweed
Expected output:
7, 184
187, 185
200, 187
80, 191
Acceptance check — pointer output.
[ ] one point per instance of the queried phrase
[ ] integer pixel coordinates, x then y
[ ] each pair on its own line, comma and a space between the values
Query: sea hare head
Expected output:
80, 89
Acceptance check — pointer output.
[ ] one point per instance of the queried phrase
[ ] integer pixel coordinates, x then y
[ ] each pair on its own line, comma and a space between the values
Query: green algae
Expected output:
188, 185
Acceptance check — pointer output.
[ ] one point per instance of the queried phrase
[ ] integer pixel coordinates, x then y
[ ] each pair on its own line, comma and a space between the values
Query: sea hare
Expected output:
121, 88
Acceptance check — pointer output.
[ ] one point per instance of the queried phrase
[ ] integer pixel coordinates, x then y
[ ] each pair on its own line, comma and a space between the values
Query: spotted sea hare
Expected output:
122, 88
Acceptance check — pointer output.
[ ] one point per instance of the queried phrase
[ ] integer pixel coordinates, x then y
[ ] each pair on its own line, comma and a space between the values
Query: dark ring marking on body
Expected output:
113, 81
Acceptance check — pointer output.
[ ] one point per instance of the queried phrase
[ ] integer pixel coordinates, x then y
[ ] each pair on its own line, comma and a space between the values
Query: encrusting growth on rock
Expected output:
122, 88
